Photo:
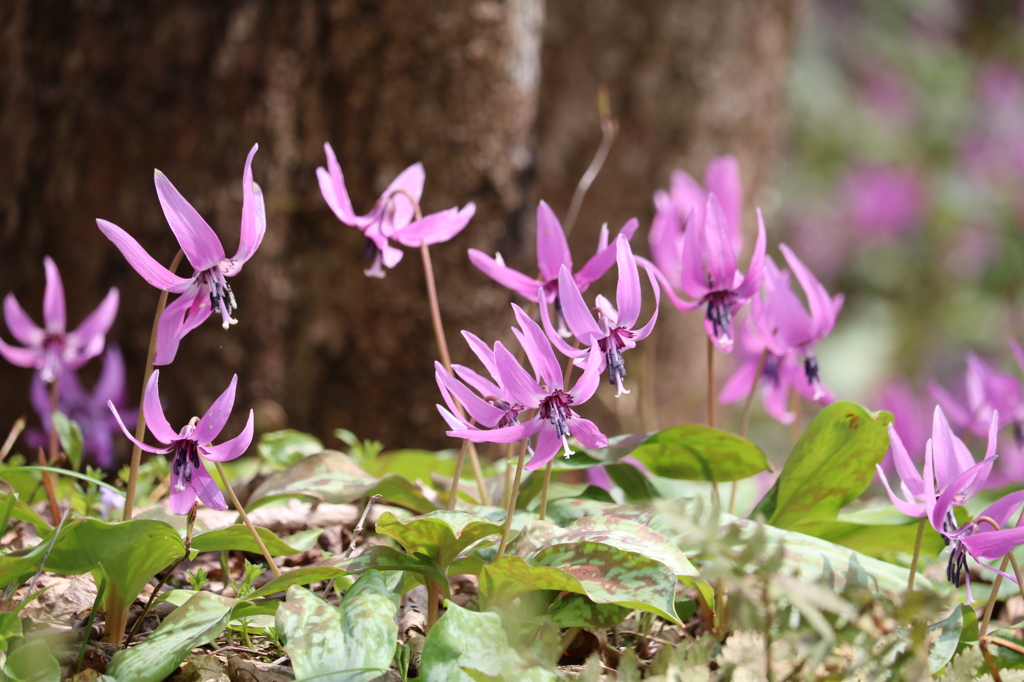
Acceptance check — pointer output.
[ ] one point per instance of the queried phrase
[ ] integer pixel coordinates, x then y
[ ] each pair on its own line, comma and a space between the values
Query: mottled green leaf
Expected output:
238, 537
23, 512
376, 558
351, 643
830, 466
70, 436
565, 512
441, 535
199, 621
466, 646
10, 628
876, 541
281, 449
579, 611
949, 631
694, 452
634, 484
31, 663
510, 576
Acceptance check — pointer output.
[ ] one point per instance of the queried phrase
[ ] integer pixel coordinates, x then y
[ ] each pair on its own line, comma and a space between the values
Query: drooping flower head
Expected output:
87, 408
207, 290
492, 406
684, 204
51, 348
393, 216
988, 391
552, 254
554, 419
612, 331
189, 478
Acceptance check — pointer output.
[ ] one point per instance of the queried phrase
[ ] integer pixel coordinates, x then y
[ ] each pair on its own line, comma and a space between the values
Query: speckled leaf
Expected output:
354, 642
564, 512
830, 466
579, 611
949, 632
238, 537
199, 621
376, 558
441, 535
465, 646
334, 477
693, 452
23, 512
510, 576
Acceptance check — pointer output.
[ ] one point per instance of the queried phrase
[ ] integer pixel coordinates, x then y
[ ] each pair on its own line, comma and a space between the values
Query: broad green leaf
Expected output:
70, 436
876, 541
949, 632
351, 643
412, 464
23, 512
578, 611
402, 492
199, 621
565, 512
441, 535
239, 537
376, 558
830, 466
694, 452
10, 628
634, 484
32, 663
509, 577
467, 646
281, 449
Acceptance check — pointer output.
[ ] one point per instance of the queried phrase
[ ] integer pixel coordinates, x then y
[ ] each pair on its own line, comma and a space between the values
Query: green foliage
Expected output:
238, 537
198, 621
70, 436
362, 451
281, 449
30, 663
693, 452
441, 535
22, 512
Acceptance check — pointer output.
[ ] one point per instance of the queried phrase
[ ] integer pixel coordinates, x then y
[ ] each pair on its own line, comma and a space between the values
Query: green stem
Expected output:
512, 500
248, 523
712, 414
453, 493
917, 554
140, 428
544, 490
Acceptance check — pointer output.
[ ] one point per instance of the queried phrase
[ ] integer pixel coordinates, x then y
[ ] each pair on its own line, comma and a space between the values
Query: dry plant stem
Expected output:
917, 554
544, 490
51, 494
362, 521
140, 428
248, 524
16, 430
749, 405
453, 493
512, 500
446, 360
990, 606
567, 640
989, 662
732, 496
48, 482
712, 415
1005, 643
794, 407
609, 128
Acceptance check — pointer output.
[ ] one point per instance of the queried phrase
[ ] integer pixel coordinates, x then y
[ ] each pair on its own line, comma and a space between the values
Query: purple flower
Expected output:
950, 475
207, 290
393, 216
613, 331
552, 254
988, 391
882, 201
979, 539
910, 418
709, 274
189, 478
554, 419
88, 409
685, 204
493, 407
52, 348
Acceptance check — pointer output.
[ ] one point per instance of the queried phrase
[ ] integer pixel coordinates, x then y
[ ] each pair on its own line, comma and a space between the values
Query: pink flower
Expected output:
52, 348
189, 478
392, 216
208, 289
883, 201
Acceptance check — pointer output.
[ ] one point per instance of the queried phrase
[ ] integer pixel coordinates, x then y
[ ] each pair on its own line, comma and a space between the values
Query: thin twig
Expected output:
16, 430
359, 526
248, 523
989, 662
609, 129
567, 640
453, 493
140, 427
46, 556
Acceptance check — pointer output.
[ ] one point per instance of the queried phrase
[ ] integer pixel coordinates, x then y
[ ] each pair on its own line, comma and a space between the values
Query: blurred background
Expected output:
884, 139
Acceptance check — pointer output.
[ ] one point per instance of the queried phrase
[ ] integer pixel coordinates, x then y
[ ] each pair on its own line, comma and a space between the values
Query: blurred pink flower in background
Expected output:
883, 201
911, 418
889, 93
993, 148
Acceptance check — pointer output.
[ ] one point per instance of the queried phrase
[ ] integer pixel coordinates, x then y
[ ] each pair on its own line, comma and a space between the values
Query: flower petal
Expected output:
144, 264
254, 215
646, 330
818, 301
143, 446
506, 434
913, 509
504, 275
230, 449
553, 336
210, 426
718, 255
949, 405
485, 414
603, 260
752, 280
54, 312
575, 311
740, 384
197, 239
436, 227
484, 352
552, 246
332, 186
29, 358
520, 385
154, 411
21, 326
722, 178
207, 490
548, 445
110, 385
627, 291
97, 324
904, 465
477, 381
666, 287
180, 501
396, 197
173, 325
538, 350
666, 237
590, 379
586, 432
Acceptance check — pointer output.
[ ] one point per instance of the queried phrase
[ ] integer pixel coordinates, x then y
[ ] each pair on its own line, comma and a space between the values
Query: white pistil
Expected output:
565, 443
619, 386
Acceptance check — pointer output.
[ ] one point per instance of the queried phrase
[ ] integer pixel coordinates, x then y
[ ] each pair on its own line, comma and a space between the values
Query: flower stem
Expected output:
248, 523
433, 593
507, 484
544, 490
917, 554
609, 128
453, 493
48, 483
512, 500
749, 405
140, 428
446, 360
712, 415
794, 407
990, 606
16, 430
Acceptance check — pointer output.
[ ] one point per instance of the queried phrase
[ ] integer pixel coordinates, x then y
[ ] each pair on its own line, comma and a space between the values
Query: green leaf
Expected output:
441, 535
353, 643
10, 628
830, 466
693, 452
466, 646
32, 663
876, 541
949, 632
511, 576
281, 449
376, 558
565, 512
199, 621
411, 464
578, 611
635, 485
70, 436
239, 537
23, 512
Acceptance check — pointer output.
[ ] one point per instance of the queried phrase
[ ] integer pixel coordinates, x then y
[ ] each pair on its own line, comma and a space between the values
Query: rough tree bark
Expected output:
95, 94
